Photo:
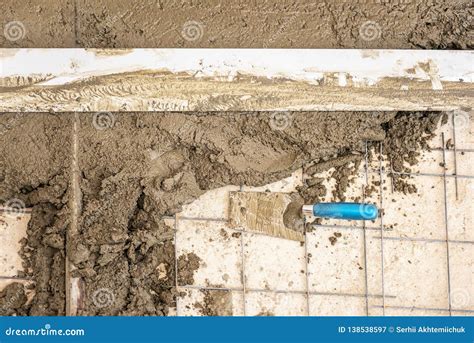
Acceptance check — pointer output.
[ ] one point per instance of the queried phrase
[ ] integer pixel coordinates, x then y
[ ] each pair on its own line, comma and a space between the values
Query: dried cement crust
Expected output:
148, 90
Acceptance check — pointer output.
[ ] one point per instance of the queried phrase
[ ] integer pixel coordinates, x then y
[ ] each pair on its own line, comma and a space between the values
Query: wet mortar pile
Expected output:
136, 170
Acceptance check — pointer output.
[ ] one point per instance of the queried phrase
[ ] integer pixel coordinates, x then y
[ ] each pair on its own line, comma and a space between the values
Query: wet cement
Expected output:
395, 24
215, 303
136, 170
34, 168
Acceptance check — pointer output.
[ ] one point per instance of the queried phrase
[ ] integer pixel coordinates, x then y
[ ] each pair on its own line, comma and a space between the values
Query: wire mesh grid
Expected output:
383, 173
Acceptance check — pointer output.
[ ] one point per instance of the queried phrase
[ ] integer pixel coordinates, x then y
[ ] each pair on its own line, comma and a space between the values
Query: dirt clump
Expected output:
215, 303
187, 264
406, 138
334, 237
293, 215
13, 299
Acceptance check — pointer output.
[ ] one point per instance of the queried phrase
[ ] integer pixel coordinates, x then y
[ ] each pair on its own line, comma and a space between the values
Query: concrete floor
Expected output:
400, 270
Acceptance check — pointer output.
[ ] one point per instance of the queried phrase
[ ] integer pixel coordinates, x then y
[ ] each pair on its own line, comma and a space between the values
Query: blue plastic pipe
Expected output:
342, 210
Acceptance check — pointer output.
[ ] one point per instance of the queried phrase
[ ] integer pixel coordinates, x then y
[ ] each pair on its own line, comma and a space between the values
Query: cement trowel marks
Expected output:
137, 170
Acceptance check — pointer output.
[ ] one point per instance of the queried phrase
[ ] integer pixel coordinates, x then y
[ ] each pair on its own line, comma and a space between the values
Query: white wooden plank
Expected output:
234, 79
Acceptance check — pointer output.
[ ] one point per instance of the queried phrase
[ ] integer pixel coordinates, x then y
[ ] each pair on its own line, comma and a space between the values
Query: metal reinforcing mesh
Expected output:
416, 259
